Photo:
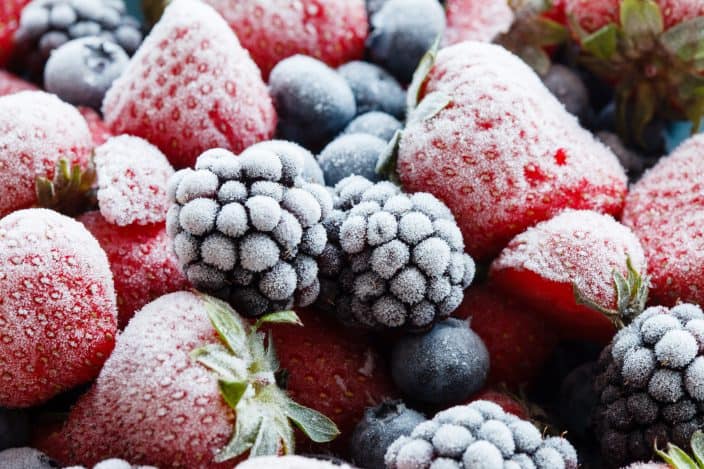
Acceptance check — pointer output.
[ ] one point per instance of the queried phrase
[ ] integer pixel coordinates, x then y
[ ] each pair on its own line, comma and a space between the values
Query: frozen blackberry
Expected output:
47, 24
393, 259
479, 435
650, 384
249, 228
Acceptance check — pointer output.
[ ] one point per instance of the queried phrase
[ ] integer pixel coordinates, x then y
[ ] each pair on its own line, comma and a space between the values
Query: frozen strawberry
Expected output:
36, 130
132, 178
10, 84
272, 30
191, 87
58, 318
10, 11
189, 385
476, 20
518, 339
142, 262
665, 209
98, 128
499, 149
577, 249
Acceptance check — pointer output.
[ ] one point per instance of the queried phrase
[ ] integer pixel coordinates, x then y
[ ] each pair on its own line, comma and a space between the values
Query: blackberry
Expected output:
650, 384
248, 229
393, 259
47, 24
479, 435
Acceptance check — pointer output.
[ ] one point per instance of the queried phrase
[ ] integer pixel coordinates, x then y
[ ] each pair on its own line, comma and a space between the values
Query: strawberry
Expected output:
577, 250
501, 151
665, 209
518, 339
191, 87
332, 31
98, 129
10, 11
476, 20
36, 130
58, 317
142, 262
332, 370
10, 84
184, 374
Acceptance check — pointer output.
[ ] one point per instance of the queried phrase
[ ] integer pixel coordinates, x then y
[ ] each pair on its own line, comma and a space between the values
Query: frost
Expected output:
476, 20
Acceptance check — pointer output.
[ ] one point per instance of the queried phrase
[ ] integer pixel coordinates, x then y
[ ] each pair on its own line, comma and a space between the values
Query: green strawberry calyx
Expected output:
631, 297
676, 458
245, 363
70, 190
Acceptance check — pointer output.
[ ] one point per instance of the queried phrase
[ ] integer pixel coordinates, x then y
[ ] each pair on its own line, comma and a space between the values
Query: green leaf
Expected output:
551, 33
386, 163
429, 107
537, 58
232, 391
602, 43
677, 458
623, 291
247, 427
686, 39
641, 18
280, 317
421, 73
220, 360
643, 109
268, 440
315, 425
698, 447
227, 323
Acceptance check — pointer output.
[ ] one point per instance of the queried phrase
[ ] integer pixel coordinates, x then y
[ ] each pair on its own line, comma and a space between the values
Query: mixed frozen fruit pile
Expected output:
392, 234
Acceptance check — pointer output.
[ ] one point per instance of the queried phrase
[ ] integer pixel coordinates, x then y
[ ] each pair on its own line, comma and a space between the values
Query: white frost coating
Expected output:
289, 462
476, 20
133, 176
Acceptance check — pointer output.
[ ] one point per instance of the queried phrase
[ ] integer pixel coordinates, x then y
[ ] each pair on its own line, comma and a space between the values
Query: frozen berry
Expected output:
349, 155
374, 89
374, 123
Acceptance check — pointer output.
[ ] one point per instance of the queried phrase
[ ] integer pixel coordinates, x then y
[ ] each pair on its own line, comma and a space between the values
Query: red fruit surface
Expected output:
519, 340
10, 83
58, 317
10, 12
504, 154
476, 20
36, 130
98, 128
191, 87
508, 403
332, 370
556, 12
142, 262
333, 31
578, 247
665, 209
152, 403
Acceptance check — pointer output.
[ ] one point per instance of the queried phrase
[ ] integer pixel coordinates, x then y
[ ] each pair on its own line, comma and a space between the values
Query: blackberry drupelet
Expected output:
248, 229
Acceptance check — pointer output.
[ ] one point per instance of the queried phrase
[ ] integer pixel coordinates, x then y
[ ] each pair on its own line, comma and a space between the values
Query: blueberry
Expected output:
570, 90
347, 155
374, 123
402, 32
381, 426
29, 458
374, 89
314, 103
81, 71
14, 428
443, 366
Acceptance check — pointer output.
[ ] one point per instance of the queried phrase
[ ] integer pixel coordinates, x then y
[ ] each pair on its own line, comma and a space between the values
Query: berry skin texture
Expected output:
50, 265
541, 265
10, 84
98, 129
141, 260
349, 155
25, 458
374, 89
381, 426
313, 101
290, 462
518, 339
10, 12
375, 123
507, 403
332, 31
36, 130
665, 212
443, 366
311, 168
187, 86
504, 154
476, 20
649, 384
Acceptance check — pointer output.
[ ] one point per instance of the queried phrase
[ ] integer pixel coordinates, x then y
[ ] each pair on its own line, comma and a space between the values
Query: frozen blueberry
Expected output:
443, 366
81, 71
375, 123
14, 428
348, 155
374, 89
570, 90
314, 103
402, 32
25, 458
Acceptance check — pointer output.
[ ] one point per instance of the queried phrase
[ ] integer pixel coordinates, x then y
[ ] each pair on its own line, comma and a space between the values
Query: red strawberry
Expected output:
184, 374
191, 87
507, 402
10, 11
556, 12
518, 339
142, 262
665, 209
10, 83
98, 129
36, 130
581, 249
332, 370
58, 317
502, 153
476, 20
330, 30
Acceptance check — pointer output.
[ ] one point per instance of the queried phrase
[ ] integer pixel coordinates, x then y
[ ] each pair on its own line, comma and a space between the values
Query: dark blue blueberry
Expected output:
14, 428
375, 123
381, 426
443, 366
353, 154
374, 89
402, 32
314, 103
81, 71
570, 90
